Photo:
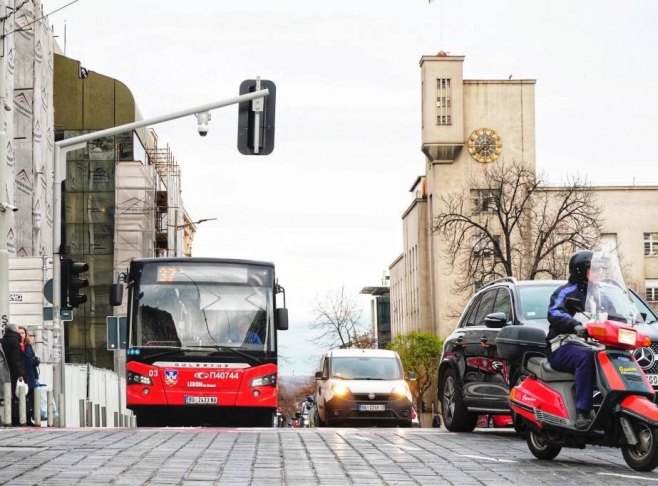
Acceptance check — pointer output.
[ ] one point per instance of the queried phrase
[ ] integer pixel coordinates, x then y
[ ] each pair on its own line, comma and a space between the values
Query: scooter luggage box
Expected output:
513, 341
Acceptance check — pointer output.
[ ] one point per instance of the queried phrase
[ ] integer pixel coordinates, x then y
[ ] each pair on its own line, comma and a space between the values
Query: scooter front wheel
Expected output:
540, 447
642, 456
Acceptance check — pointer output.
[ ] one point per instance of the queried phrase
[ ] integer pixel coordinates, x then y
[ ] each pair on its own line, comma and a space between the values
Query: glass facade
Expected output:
88, 236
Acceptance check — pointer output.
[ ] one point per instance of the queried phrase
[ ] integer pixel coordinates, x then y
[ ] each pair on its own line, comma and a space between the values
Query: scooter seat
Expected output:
541, 368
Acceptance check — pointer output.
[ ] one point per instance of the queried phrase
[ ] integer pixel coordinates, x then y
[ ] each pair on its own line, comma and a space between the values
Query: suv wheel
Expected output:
455, 416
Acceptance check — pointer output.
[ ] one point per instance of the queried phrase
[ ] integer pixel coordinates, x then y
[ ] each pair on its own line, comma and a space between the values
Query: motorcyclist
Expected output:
569, 351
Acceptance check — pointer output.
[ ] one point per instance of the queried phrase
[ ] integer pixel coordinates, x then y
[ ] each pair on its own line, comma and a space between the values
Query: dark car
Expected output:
647, 358
473, 379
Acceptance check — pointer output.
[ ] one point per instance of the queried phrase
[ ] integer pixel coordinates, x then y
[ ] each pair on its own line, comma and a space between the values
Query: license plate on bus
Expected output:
200, 400
369, 407
653, 379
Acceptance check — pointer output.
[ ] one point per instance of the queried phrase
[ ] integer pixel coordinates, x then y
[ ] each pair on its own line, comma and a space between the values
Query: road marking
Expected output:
486, 458
628, 476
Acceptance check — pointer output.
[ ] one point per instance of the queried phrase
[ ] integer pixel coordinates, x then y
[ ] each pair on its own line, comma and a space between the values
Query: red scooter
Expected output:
624, 412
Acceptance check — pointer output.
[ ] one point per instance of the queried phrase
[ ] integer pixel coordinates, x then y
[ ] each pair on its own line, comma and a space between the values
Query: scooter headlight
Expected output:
627, 336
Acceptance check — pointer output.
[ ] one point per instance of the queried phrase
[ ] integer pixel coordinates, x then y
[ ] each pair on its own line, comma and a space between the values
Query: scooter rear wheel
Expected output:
642, 456
540, 447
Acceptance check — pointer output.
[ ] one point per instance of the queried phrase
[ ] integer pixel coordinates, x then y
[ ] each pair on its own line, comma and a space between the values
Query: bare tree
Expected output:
513, 224
337, 318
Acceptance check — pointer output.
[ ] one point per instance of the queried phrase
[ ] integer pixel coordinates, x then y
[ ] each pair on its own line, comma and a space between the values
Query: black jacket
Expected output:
11, 345
559, 316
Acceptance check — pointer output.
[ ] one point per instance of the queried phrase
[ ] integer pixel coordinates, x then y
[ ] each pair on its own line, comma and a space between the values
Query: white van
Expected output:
364, 386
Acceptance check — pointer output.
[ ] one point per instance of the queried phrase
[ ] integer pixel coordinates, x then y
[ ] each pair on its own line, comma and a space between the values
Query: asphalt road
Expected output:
340, 456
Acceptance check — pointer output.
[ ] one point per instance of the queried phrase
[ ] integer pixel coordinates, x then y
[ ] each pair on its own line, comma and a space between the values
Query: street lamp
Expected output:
61, 148
177, 227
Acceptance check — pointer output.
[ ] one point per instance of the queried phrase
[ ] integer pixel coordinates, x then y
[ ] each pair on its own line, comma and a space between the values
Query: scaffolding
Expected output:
168, 212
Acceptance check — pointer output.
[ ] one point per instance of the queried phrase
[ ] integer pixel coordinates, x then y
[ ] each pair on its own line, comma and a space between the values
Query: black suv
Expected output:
473, 378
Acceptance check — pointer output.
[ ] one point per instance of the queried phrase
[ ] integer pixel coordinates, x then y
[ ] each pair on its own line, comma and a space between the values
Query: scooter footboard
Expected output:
640, 407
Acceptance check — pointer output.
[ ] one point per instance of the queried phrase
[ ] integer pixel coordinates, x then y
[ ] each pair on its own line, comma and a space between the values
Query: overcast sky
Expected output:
326, 206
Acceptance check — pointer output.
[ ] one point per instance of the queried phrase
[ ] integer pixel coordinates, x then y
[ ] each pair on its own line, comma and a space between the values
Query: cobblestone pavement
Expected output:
296, 457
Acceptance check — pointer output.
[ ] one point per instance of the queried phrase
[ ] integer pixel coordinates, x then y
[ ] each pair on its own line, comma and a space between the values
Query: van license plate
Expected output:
653, 379
200, 400
368, 407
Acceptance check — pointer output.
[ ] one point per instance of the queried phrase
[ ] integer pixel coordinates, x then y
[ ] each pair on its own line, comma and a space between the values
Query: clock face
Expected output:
484, 145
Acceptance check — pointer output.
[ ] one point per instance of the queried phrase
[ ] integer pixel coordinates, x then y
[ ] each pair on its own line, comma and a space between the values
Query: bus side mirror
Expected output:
282, 319
116, 294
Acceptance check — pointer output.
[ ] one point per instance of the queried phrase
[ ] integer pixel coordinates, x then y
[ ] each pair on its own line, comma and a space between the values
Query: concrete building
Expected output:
466, 126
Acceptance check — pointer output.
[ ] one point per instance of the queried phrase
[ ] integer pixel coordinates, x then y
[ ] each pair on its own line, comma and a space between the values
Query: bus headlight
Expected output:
138, 379
269, 380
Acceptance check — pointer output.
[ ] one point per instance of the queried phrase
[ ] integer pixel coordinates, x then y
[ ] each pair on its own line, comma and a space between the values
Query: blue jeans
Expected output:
579, 360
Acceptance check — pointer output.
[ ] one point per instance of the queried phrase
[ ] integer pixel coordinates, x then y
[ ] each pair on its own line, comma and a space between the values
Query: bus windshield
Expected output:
200, 306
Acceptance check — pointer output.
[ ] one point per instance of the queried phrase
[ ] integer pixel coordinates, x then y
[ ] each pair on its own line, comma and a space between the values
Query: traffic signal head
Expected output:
72, 283
256, 119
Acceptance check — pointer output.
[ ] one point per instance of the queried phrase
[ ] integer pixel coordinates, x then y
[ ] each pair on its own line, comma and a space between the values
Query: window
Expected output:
485, 307
503, 303
651, 285
651, 244
443, 102
484, 246
485, 200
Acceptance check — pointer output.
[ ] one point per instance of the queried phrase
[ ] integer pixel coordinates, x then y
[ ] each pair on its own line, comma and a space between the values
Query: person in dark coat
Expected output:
569, 351
30, 365
11, 345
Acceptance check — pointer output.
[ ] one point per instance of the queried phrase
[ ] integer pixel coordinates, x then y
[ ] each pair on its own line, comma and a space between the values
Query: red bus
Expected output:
202, 341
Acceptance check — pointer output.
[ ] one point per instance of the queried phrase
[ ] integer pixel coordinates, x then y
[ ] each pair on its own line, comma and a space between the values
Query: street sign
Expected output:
48, 292
65, 314
117, 332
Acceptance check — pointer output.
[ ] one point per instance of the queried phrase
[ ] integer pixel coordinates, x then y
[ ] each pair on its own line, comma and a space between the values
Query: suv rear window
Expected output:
365, 368
535, 300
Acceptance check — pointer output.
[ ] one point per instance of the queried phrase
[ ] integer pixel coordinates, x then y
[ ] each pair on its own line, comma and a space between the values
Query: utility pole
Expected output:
60, 150
5, 205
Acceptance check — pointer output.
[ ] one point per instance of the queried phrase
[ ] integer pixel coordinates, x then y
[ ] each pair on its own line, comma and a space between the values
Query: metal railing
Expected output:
93, 400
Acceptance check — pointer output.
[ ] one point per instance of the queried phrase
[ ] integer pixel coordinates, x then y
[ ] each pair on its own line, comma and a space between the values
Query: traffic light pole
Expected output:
62, 148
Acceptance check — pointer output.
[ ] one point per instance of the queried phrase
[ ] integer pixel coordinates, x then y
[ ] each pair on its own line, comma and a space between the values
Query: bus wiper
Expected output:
224, 349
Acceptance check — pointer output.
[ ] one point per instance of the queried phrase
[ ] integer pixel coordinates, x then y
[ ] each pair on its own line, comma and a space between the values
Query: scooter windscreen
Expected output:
607, 295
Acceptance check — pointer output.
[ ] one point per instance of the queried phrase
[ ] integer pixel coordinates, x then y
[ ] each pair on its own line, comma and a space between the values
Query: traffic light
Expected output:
249, 111
72, 283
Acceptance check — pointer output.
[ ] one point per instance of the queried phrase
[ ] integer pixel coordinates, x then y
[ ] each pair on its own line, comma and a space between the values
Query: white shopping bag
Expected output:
19, 385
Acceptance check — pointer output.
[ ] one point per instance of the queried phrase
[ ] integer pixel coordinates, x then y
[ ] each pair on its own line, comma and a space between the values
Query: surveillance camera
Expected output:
6, 206
202, 123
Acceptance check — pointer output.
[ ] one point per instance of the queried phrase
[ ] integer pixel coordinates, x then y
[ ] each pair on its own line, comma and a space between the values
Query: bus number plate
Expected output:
200, 400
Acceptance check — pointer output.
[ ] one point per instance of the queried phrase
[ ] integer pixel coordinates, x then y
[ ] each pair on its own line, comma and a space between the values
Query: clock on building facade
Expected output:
484, 145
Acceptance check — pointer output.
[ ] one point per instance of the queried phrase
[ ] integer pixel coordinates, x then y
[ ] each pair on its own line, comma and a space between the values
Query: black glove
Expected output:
580, 331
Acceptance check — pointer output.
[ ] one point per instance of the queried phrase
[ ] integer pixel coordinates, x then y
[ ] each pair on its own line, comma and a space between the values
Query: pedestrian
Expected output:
31, 366
11, 345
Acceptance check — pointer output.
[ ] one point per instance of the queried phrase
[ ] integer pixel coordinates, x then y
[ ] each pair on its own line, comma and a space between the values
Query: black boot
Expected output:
583, 419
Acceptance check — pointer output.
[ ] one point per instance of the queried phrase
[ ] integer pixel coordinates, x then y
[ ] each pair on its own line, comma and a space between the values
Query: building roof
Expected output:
375, 290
